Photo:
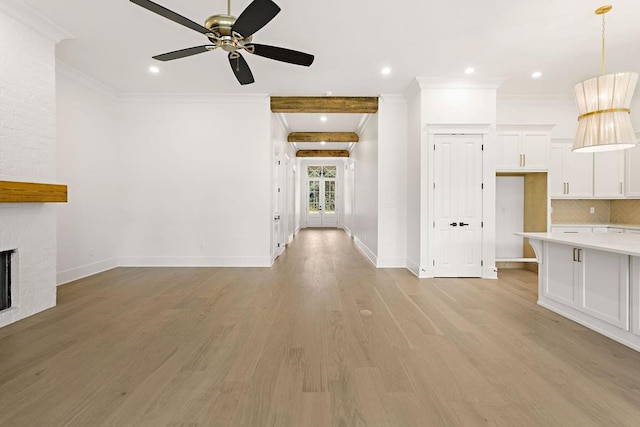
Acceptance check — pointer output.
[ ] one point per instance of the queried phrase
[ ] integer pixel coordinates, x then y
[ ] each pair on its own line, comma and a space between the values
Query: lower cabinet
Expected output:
591, 281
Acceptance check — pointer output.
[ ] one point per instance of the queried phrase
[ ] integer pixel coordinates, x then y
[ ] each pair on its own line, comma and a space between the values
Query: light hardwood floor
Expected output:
294, 345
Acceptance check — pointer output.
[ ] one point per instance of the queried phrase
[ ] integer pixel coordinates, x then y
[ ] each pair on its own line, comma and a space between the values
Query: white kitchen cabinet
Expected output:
592, 281
632, 172
604, 281
608, 174
572, 230
523, 148
570, 174
615, 230
631, 231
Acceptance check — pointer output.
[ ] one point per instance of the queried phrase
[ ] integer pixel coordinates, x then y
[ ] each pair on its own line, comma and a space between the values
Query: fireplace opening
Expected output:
5, 279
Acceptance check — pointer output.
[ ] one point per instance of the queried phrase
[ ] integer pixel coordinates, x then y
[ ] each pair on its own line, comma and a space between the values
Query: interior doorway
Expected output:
322, 196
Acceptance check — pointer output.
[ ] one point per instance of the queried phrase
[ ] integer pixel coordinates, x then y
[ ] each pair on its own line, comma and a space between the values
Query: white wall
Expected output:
414, 141
88, 145
392, 179
28, 153
196, 181
364, 223
561, 112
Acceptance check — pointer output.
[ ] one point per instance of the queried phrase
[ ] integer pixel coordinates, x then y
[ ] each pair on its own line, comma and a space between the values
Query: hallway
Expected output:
321, 338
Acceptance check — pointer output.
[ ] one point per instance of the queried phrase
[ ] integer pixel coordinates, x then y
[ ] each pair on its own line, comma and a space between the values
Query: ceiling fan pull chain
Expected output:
228, 7
238, 64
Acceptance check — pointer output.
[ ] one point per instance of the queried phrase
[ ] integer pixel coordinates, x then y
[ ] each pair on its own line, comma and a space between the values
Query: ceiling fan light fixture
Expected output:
154, 70
604, 120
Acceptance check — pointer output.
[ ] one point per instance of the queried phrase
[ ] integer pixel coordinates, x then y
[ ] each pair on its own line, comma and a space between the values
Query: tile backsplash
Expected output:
625, 211
579, 211
606, 211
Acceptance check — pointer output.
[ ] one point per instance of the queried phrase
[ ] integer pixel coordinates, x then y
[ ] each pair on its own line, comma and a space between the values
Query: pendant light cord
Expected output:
229, 8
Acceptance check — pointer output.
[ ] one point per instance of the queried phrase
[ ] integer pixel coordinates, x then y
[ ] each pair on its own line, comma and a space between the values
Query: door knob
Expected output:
454, 224
462, 224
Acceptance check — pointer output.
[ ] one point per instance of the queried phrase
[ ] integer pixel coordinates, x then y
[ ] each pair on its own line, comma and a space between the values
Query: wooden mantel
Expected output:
31, 192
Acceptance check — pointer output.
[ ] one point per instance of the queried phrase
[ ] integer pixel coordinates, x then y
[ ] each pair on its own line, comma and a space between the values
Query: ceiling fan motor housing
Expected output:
221, 26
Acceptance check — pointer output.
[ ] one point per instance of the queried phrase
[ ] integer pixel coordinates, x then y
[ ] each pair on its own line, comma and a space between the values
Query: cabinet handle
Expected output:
621, 192
520, 160
574, 254
524, 160
579, 255
568, 188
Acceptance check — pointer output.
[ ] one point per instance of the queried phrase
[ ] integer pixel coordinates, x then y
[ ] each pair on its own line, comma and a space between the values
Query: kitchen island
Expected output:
593, 279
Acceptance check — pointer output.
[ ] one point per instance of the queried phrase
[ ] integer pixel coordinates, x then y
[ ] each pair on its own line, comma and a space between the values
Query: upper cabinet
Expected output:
570, 174
608, 174
522, 148
632, 172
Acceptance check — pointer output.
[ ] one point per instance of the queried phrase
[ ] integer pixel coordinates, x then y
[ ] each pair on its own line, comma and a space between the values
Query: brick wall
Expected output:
28, 153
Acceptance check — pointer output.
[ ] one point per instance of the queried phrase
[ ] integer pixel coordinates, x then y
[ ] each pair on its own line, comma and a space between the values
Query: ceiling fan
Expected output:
232, 35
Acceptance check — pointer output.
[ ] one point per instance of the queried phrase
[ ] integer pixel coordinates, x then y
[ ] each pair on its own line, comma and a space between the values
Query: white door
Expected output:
278, 230
458, 206
321, 196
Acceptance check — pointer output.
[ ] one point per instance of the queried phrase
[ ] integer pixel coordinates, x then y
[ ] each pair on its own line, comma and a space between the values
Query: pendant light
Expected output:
604, 123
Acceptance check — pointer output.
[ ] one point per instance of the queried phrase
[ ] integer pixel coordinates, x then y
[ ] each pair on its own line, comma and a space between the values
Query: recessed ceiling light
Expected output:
154, 70
323, 142
323, 118
470, 70
536, 75
386, 71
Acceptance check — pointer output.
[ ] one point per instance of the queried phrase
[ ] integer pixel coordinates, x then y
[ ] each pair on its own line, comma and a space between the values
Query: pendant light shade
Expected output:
604, 121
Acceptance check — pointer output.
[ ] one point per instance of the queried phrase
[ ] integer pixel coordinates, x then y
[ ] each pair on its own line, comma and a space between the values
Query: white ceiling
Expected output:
352, 40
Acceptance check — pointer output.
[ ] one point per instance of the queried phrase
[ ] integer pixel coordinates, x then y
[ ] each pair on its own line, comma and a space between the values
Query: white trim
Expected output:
392, 98
524, 127
537, 100
284, 124
72, 73
195, 261
346, 230
195, 98
413, 267
85, 271
391, 263
455, 128
30, 17
363, 123
462, 83
366, 251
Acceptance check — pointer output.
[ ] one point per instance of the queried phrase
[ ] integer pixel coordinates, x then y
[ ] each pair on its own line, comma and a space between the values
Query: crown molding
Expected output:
393, 98
536, 100
194, 98
461, 83
363, 123
283, 123
30, 17
72, 73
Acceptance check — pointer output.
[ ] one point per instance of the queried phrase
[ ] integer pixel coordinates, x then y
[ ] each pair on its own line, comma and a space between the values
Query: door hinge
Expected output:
434, 185
482, 224
434, 262
482, 186
481, 263
278, 162
278, 189
278, 244
434, 147
434, 224
482, 147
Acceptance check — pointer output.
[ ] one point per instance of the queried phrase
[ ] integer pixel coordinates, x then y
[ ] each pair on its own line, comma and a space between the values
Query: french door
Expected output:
458, 206
321, 196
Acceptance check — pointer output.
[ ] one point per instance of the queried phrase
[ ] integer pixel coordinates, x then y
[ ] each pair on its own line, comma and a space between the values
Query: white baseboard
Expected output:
195, 262
85, 271
366, 251
391, 263
347, 230
413, 267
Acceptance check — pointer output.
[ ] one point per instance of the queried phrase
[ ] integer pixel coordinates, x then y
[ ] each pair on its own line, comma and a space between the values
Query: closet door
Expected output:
458, 206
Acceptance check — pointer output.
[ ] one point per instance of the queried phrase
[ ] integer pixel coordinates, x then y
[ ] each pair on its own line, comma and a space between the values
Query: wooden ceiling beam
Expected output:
323, 136
322, 153
29, 192
324, 104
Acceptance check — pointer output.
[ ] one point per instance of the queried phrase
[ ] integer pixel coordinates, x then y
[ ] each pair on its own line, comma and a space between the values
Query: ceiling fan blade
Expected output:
163, 11
240, 68
280, 54
184, 53
255, 16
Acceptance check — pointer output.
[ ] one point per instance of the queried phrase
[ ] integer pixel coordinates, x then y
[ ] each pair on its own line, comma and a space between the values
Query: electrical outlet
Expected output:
592, 210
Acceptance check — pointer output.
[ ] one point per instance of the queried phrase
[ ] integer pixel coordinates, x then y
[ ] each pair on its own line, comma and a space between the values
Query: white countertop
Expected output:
627, 226
627, 244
